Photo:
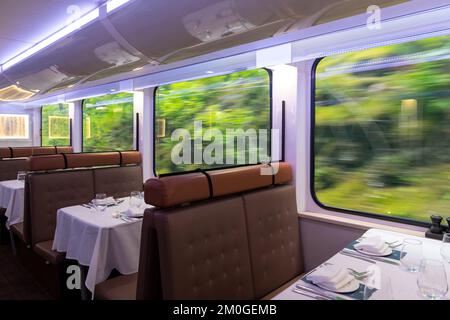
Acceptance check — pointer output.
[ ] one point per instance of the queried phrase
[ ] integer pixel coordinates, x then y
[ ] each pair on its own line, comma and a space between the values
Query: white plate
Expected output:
387, 252
351, 286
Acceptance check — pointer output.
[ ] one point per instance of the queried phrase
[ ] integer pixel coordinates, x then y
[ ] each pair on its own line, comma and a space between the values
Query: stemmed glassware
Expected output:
135, 200
432, 279
445, 247
411, 255
99, 202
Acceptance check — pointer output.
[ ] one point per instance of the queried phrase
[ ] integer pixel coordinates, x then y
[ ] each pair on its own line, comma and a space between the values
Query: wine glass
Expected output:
99, 201
445, 247
135, 199
380, 289
21, 175
411, 255
432, 279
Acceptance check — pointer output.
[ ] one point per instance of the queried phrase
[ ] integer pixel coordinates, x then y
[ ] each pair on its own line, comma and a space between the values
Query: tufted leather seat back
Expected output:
204, 251
118, 182
274, 242
49, 192
10, 167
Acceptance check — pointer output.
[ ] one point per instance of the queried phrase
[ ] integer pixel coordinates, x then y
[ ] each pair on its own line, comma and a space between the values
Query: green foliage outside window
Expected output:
55, 125
108, 123
382, 130
240, 100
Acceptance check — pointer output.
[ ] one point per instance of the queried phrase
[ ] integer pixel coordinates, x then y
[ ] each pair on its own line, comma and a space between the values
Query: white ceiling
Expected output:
25, 22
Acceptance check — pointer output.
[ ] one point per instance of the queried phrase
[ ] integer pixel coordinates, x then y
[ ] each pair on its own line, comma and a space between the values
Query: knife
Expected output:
323, 294
308, 294
359, 255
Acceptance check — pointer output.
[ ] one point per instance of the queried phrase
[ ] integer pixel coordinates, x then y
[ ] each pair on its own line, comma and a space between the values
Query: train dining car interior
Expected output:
196, 150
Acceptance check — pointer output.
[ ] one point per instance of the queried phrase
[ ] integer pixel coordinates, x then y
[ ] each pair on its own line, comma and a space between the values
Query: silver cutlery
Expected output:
308, 294
372, 259
319, 292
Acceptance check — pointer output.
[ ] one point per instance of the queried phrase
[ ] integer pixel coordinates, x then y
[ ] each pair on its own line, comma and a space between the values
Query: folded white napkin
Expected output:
374, 245
133, 213
330, 276
105, 202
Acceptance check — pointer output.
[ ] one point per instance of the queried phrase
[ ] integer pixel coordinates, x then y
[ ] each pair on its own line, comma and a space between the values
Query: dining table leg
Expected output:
85, 294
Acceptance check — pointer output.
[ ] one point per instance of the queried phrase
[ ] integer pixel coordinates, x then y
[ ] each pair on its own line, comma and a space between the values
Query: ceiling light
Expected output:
14, 93
114, 4
92, 15
209, 72
138, 68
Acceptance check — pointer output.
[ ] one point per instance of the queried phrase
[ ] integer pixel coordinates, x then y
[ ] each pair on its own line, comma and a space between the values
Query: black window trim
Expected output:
70, 130
313, 165
269, 72
135, 128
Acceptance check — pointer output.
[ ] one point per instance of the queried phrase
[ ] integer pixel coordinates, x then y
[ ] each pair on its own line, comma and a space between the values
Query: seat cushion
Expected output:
44, 249
274, 241
17, 229
118, 288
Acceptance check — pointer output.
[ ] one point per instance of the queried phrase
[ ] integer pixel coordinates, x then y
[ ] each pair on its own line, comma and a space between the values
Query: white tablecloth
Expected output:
12, 198
404, 284
98, 240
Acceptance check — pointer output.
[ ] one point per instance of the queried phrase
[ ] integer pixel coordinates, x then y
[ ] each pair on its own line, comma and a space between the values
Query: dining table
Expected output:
12, 198
100, 240
402, 284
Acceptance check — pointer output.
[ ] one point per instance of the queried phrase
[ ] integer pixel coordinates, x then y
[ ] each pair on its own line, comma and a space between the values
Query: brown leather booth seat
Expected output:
46, 192
22, 152
83, 160
241, 244
10, 167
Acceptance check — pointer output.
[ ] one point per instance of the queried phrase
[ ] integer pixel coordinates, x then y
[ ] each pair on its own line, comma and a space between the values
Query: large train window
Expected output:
108, 123
213, 122
55, 125
382, 131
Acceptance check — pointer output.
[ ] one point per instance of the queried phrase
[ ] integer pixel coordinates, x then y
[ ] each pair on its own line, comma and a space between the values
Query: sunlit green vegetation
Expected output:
382, 141
108, 123
240, 100
55, 125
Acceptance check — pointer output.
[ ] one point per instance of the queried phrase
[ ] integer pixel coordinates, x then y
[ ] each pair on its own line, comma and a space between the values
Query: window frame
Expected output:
269, 73
70, 130
312, 160
135, 128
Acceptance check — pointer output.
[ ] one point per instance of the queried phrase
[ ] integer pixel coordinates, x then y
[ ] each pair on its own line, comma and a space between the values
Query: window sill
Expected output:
359, 224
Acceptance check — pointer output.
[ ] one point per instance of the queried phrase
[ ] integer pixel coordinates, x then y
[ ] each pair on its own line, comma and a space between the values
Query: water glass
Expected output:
21, 175
378, 287
99, 202
445, 247
432, 279
411, 255
135, 199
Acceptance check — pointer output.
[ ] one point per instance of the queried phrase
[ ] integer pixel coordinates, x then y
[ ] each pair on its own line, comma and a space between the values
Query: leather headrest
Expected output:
5, 152
21, 152
43, 150
178, 189
64, 149
47, 162
82, 160
77, 160
131, 157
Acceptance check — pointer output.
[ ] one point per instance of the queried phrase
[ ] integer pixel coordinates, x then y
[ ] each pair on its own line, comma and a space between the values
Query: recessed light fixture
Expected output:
113, 90
70, 86
77, 24
138, 68
114, 4
209, 72
17, 82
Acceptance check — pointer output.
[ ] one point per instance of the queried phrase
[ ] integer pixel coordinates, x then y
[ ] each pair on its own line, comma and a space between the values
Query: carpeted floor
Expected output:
15, 282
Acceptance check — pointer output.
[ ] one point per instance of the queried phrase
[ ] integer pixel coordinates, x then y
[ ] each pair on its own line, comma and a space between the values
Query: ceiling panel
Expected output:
26, 22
